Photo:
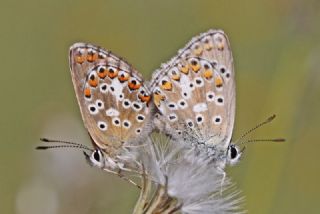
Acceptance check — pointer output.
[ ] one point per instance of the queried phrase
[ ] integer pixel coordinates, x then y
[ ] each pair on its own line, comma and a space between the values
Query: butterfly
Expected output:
114, 102
195, 96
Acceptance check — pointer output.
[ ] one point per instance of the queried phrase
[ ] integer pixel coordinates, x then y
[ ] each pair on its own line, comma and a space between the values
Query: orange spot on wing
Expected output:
195, 66
87, 92
92, 56
79, 59
208, 74
102, 72
208, 46
166, 85
112, 72
184, 69
123, 77
218, 81
144, 98
220, 46
198, 50
157, 98
93, 82
134, 85
175, 76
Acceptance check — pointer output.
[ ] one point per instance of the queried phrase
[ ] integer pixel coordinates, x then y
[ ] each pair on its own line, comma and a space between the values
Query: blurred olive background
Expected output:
276, 51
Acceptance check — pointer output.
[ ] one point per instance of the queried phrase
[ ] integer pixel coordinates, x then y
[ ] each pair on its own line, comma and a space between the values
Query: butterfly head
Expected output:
100, 158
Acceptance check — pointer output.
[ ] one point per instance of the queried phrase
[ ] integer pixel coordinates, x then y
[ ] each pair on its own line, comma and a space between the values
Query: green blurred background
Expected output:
276, 52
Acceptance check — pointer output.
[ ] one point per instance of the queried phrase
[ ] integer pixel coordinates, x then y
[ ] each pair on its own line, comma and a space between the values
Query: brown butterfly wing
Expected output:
113, 100
195, 91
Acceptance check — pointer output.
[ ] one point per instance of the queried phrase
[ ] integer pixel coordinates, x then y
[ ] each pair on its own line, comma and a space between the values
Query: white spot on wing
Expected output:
172, 106
102, 126
185, 82
104, 88
210, 96
199, 118
121, 96
217, 120
219, 100
186, 94
117, 89
200, 107
198, 81
111, 112
182, 104
126, 124
136, 106
140, 118
138, 131
93, 109
190, 123
172, 117
126, 103
116, 121
99, 104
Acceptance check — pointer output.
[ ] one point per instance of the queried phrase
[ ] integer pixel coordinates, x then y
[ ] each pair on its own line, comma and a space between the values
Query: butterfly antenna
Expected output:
264, 140
257, 126
68, 144
61, 146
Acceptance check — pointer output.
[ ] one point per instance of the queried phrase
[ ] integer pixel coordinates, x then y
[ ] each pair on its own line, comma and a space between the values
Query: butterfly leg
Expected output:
223, 178
118, 173
127, 179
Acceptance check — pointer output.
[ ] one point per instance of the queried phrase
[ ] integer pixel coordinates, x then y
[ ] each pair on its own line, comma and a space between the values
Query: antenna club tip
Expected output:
41, 147
44, 139
280, 140
271, 117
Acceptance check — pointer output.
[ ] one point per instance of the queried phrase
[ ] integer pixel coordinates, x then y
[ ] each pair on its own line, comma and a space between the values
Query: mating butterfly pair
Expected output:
192, 98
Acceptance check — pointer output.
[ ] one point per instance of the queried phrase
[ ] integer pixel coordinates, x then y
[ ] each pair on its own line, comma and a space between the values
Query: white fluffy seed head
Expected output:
169, 163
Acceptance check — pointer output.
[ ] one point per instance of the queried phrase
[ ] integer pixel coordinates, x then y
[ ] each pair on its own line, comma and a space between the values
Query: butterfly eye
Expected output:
234, 154
97, 158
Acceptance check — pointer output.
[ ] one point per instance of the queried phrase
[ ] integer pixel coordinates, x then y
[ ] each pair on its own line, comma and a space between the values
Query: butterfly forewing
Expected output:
113, 100
195, 91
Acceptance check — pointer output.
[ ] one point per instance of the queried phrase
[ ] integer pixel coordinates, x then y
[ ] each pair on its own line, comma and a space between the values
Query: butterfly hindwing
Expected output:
195, 91
113, 100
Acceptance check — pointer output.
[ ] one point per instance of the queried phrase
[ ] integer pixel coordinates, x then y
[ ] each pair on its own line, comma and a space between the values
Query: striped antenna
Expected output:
271, 118
64, 144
